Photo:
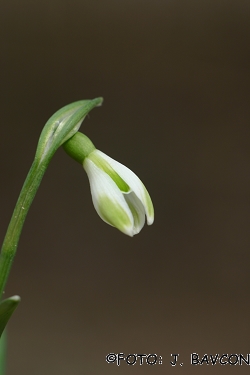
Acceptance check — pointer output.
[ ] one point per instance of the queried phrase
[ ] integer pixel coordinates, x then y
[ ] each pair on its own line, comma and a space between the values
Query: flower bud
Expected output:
118, 195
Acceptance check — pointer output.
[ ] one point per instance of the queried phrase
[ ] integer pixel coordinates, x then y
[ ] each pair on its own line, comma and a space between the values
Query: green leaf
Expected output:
7, 307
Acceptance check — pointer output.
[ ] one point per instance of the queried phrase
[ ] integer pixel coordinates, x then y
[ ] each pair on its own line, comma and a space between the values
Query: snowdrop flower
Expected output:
118, 195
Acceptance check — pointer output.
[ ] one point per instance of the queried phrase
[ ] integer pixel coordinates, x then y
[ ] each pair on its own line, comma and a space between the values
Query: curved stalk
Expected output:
13, 233
58, 129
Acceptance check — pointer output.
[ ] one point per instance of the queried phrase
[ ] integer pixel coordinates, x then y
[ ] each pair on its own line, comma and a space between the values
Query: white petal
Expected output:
134, 183
137, 210
108, 200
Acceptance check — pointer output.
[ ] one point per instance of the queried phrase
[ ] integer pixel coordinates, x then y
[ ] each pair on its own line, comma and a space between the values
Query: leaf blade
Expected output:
7, 307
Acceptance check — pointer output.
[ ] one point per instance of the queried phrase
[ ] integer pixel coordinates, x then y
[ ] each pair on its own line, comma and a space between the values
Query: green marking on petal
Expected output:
106, 167
114, 214
134, 213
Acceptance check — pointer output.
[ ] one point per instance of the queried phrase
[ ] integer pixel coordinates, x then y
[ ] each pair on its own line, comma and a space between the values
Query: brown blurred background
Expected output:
175, 80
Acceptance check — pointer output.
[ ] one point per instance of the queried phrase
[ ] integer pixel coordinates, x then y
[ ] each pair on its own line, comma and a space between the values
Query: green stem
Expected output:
25, 199
57, 130
3, 353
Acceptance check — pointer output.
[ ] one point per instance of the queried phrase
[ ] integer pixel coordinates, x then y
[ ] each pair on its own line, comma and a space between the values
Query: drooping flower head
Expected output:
118, 195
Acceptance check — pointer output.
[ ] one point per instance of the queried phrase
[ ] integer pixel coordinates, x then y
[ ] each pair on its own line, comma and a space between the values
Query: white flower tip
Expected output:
129, 232
149, 208
150, 220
